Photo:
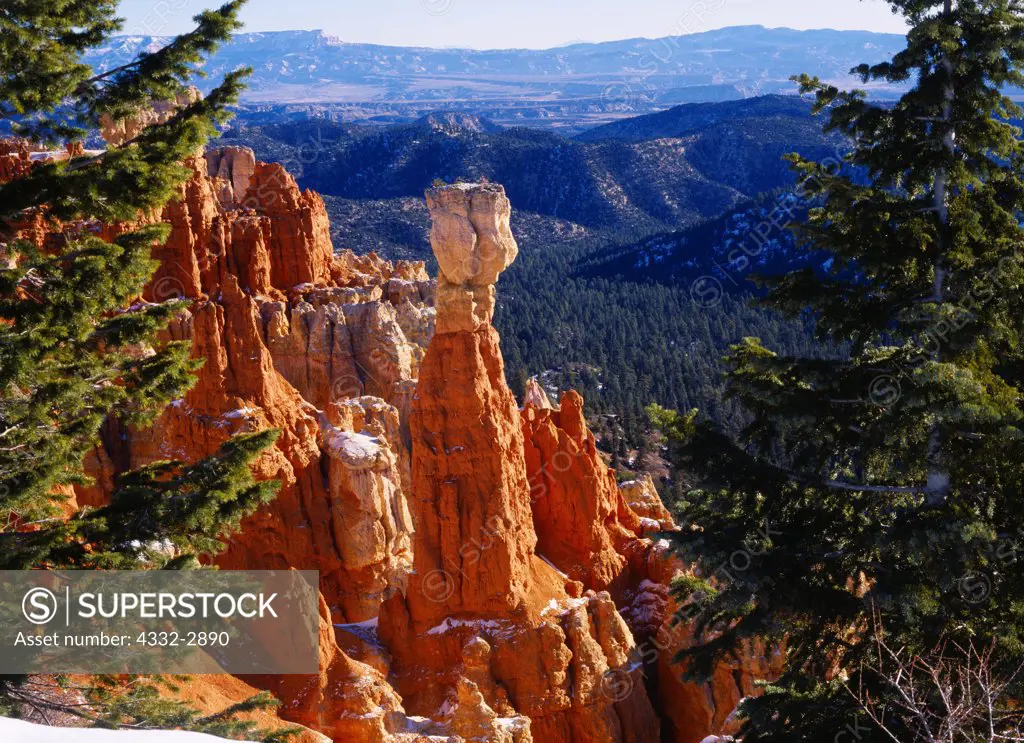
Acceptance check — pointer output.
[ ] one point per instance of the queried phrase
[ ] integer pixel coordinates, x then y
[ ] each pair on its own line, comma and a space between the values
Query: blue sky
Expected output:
514, 23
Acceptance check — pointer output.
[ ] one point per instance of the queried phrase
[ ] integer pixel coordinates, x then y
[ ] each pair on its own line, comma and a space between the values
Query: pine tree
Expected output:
75, 347
68, 350
880, 490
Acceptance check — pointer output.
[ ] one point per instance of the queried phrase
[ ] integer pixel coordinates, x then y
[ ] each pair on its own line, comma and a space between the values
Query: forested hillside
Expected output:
751, 239
625, 343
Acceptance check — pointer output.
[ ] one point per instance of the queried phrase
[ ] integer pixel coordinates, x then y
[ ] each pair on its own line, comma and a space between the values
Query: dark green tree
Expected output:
75, 348
875, 498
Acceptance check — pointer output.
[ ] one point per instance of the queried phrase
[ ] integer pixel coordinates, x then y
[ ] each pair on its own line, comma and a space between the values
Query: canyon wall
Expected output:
297, 339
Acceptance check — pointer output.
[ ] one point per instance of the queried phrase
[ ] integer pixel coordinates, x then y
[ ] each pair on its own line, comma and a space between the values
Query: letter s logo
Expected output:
39, 605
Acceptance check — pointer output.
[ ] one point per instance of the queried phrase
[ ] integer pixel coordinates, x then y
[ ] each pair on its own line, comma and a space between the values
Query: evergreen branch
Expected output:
161, 74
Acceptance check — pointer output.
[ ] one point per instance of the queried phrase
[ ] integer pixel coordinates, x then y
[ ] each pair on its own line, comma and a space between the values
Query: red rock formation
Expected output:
583, 523
341, 458
483, 641
642, 498
118, 131
300, 241
474, 531
232, 168
594, 531
484, 621
696, 710
15, 158
468, 473
347, 700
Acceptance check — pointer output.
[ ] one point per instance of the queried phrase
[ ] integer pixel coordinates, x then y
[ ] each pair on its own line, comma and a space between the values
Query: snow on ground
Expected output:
240, 413
495, 627
368, 624
356, 449
365, 631
562, 607
553, 567
27, 732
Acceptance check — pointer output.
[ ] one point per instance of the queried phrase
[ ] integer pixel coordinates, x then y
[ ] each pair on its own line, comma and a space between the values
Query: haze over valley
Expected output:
573, 86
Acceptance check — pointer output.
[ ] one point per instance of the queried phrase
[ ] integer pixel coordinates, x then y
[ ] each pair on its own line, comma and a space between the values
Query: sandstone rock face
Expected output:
475, 534
340, 343
366, 487
15, 158
693, 710
605, 537
300, 243
234, 166
690, 711
473, 244
474, 526
347, 700
642, 498
293, 336
535, 396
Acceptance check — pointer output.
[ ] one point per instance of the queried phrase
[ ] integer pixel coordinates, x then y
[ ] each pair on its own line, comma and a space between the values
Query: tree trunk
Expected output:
938, 478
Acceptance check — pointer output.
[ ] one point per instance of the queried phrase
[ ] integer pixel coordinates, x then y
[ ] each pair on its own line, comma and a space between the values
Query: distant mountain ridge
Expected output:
651, 174
584, 84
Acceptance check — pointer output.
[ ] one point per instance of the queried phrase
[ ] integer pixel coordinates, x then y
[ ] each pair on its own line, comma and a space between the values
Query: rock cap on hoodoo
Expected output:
471, 236
473, 243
